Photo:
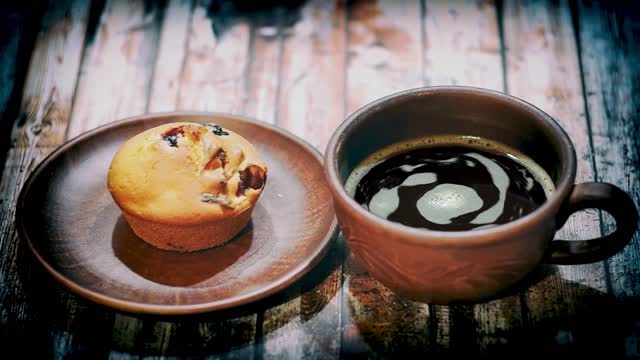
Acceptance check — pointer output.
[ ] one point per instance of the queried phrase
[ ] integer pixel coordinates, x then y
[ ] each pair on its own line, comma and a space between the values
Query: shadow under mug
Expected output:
467, 266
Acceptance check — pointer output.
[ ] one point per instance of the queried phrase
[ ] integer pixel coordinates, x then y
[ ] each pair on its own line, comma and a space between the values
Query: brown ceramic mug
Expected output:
466, 266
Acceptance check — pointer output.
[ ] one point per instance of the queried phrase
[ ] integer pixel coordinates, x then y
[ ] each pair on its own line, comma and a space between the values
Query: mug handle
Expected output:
601, 196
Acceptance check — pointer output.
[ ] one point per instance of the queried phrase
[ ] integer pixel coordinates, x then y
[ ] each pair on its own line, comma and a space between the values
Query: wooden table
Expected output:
70, 66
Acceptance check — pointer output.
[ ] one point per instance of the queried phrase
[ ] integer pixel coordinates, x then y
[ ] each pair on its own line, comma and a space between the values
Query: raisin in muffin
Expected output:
187, 186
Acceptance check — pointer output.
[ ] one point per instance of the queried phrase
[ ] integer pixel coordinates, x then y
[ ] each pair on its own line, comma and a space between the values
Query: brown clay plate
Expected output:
78, 234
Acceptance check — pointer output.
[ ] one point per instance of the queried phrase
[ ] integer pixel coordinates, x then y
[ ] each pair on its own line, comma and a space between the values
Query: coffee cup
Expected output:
473, 265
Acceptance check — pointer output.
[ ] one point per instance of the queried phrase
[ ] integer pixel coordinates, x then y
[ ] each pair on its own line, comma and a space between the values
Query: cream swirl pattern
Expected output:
442, 187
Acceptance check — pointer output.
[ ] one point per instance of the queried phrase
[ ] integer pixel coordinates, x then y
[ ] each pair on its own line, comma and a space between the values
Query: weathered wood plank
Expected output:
40, 127
610, 57
609, 36
19, 25
462, 44
171, 55
385, 56
311, 86
13, 27
311, 80
307, 325
267, 28
217, 56
470, 28
543, 68
385, 50
117, 66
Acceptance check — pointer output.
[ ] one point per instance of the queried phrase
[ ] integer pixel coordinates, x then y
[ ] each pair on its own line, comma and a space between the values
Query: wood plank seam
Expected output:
18, 49
158, 101
248, 67
93, 24
503, 47
573, 7
279, 75
423, 40
158, 20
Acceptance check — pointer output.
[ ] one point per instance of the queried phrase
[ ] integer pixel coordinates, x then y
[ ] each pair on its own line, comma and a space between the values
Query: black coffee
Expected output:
461, 185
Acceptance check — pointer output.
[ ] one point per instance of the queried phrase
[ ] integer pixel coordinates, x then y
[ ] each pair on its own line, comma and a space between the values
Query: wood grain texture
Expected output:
385, 56
311, 95
14, 23
117, 65
171, 55
385, 50
462, 44
214, 75
609, 35
40, 127
610, 55
311, 70
308, 324
19, 25
542, 68
267, 39
470, 28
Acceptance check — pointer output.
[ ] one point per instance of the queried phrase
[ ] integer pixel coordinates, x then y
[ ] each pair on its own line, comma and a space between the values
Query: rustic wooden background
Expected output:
68, 66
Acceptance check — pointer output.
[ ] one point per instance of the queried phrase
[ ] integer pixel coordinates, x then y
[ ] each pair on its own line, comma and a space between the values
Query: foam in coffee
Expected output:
449, 183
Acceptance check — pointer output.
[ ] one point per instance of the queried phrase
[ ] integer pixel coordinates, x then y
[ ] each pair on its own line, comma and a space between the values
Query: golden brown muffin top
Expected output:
186, 173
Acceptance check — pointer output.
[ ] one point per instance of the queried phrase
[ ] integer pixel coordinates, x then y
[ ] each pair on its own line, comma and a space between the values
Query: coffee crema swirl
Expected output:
449, 183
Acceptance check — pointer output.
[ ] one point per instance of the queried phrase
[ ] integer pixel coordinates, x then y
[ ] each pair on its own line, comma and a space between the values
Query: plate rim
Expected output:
155, 309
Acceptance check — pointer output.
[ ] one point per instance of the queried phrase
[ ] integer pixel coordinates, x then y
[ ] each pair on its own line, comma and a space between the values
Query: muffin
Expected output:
187, 186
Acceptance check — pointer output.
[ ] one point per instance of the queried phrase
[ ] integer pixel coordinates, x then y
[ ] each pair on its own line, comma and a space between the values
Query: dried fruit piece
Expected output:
171, 136
218, 160
216, 129
195, 136
252, 177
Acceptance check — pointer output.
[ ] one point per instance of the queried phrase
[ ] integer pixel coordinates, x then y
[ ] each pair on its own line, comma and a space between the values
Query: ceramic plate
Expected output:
78, 234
